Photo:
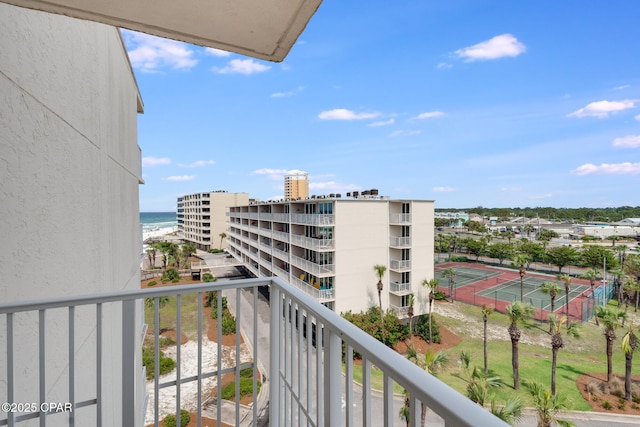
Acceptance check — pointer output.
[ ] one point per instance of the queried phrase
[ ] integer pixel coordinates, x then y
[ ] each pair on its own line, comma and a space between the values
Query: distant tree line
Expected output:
558, 214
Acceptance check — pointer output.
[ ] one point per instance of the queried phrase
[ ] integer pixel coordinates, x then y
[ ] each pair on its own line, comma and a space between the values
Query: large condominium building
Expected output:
296, 185
202, 217
328, 247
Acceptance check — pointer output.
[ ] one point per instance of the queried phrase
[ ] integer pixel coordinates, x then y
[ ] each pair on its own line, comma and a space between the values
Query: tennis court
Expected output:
480, 284
465, 275
509, 290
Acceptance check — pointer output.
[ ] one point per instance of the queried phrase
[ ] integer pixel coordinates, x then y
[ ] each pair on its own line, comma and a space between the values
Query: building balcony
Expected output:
401, 312
400, 265
311, 267
399, 218
312, 243
296, 352
400, 288
321, 295
400, 242
313, 219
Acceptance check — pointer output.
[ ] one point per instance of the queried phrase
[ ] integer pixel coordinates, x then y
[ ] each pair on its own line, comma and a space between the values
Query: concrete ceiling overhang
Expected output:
264, 29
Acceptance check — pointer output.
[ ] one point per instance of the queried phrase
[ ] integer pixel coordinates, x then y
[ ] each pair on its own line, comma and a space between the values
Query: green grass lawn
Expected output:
580, 355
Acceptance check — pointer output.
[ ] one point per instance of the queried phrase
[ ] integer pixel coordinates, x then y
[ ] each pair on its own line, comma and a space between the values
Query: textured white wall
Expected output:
69, 175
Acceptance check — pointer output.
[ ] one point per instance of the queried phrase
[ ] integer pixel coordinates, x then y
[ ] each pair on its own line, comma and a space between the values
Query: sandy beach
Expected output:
159, 232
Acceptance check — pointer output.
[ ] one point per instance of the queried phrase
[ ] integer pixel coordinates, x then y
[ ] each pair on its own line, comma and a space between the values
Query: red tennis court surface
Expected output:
475, 284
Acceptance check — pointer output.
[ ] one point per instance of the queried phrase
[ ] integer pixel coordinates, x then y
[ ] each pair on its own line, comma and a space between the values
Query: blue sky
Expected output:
468, 103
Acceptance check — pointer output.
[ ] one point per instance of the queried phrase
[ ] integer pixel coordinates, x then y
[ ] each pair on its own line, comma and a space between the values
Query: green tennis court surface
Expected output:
510, 291
465, 275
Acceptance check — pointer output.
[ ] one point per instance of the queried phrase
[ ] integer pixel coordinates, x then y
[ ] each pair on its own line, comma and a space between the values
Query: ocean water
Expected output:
151, 220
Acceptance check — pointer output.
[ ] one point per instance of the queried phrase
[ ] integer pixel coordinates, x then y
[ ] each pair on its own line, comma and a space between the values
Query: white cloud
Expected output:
383, 123
637, 117
155, 161
217, 52
272, 174
631, 141
602, 109
197, 164
444, 65
404, 133
443, 189
287, 94
150, 54
242, 66
429, 115
626, 168
622, 87
511, 189
497, 47
179, 178
343, 114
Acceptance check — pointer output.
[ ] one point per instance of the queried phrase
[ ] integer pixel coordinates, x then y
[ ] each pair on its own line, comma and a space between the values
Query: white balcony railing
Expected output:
397, 264
313, 219
318, 294
400, 241
312, 267
399, 218
312, 243
400, 288
297, 352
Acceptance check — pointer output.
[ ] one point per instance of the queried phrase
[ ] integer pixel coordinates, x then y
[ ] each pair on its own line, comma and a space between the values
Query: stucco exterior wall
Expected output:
69, 176
362, 241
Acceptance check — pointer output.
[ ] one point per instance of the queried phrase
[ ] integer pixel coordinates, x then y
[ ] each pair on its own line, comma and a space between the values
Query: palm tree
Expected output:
591, 275
547, 405
567, 288
520, 261
380, 270
410, 301
518, 313
557, 343
487, 310
629, 345
150, 304
405, 410
511, 412
451, 274
432, 363
223, 236
552, 289
431, 285
610, 321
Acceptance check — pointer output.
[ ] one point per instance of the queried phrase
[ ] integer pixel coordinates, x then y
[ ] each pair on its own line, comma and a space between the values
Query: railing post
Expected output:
129, 416
332, 378
275, 300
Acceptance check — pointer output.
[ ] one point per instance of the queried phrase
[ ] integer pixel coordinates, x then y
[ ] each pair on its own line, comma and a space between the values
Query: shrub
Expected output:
606, 404
635, 398
439, 295
210, 298
228, 323
152, 283
215, 251
175, 280
170, 420
170, 275
167, 364
459, 259
616, 387
214, 305
246, 389
208, 277
388, 330
621, 403
421, 328
164, 342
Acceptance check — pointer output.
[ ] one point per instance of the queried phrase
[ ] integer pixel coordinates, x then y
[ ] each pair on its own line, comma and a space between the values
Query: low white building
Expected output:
328, 247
